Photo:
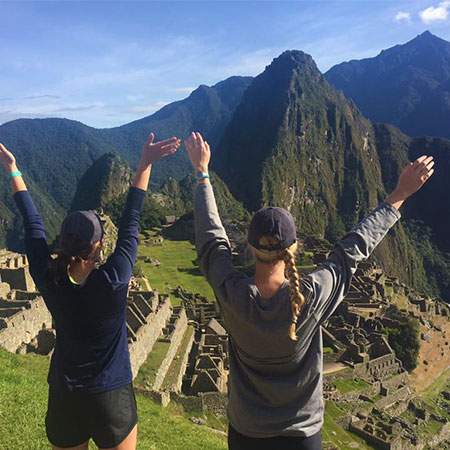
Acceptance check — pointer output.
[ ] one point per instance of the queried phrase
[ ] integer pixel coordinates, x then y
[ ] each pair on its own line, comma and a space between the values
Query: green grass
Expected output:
148, 370
328, 350
355, 384
178, 267
334, 433
175, 366
435, 388
166, 429
23, 394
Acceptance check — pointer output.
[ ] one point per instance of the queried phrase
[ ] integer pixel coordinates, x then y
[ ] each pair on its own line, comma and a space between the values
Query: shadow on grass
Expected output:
191, 271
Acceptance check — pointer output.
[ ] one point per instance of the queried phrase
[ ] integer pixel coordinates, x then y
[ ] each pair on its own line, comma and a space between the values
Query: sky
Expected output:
107, 63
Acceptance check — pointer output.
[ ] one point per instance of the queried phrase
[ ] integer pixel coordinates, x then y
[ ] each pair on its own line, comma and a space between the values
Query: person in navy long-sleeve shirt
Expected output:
90, 377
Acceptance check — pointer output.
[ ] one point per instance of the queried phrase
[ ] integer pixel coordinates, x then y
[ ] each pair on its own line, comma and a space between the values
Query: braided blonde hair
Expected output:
288, 256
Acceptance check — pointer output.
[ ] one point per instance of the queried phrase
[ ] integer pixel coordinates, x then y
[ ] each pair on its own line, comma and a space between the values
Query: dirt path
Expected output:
333, 367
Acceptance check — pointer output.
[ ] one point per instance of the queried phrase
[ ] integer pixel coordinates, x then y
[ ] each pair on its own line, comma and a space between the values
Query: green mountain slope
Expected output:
407, 85
54, 153
104, 181
296, 142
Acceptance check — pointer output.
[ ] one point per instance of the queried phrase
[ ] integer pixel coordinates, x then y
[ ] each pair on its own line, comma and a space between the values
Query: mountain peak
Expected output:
107, 178
294, 60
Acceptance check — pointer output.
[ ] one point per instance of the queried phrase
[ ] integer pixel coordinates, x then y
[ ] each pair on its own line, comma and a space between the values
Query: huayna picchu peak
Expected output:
295, 142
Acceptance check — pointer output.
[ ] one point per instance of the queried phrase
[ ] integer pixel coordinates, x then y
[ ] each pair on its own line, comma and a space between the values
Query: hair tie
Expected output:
294, 319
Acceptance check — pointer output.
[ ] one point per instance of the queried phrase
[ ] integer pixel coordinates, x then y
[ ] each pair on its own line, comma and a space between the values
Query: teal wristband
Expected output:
201, 175
17, 173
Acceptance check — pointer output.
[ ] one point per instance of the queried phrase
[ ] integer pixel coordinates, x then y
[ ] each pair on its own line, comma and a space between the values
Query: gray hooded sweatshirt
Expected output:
275, 383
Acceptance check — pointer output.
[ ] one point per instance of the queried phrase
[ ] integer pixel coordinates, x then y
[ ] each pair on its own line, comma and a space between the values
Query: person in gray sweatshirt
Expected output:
274, 318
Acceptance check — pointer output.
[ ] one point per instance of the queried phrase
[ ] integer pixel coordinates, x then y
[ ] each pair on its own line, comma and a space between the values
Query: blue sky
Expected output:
108, 63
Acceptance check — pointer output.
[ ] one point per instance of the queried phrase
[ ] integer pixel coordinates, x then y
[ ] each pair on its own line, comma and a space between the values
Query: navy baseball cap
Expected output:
275, 222
86, 225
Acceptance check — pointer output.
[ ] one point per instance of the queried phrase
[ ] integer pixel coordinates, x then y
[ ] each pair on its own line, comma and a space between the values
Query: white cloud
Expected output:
403, 16
434, 13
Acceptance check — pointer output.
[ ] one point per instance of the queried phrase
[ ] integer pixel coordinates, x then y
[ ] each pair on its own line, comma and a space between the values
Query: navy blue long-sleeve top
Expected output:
91, 353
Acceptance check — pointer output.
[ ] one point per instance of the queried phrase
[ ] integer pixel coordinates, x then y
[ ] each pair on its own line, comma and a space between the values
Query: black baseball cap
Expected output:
275, 222
85, 225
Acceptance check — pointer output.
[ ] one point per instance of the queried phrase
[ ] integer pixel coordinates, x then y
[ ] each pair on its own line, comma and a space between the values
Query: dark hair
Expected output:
70, 249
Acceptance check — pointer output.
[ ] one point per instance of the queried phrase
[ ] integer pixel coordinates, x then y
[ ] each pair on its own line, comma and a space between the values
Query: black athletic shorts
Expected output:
74, 418
237, 441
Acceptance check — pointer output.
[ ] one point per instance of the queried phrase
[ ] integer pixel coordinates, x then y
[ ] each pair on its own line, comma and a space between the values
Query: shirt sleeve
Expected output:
329, 283
36, 247
118, 268
212, 244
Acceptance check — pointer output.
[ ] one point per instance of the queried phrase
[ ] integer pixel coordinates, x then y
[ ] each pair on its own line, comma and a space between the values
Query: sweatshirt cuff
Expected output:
392, 209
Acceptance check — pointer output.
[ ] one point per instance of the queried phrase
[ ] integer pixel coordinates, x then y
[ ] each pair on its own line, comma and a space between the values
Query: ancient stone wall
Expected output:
25, 322
175, 338
18, 278
179, 379
147, 334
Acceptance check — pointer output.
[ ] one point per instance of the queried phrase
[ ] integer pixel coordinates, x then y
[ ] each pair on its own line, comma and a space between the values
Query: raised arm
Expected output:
213, 246
330, 282
119, 266
35, 238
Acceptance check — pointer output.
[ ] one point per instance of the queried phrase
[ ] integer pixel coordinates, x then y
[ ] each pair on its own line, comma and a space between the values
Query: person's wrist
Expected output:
144, 163
9, 168
399, 194
203, 169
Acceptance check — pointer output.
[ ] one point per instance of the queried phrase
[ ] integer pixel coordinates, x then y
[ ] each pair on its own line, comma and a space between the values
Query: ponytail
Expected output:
297, 298
288, 256
70, 250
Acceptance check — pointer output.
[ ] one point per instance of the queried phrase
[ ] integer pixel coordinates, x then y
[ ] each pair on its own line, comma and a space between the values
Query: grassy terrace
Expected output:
178, 267
433, 402
148, 370
355, 384
23, 394
332, 432
175, 367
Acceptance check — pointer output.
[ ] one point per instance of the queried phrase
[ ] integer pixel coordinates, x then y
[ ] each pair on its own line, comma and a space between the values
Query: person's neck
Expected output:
80, 270
269, 277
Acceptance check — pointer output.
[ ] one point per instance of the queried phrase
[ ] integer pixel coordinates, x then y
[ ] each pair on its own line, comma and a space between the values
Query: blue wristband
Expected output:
17, 173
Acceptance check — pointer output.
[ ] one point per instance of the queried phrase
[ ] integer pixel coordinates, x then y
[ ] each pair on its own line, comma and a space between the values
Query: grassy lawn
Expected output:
23, 394
327, 350
167, 429
435, 388
334, 433
355, 384
178, 267
175, 366
148, 370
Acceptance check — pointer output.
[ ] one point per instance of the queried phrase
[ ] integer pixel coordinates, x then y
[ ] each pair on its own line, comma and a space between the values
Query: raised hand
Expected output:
154, 151
412, 178
415, 175
198, 151
7, 159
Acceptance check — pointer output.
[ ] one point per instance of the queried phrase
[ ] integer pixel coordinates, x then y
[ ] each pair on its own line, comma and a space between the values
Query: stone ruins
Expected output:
179, 348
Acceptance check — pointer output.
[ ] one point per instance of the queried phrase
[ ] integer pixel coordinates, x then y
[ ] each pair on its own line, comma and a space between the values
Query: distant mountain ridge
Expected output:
407, 85
53, 154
